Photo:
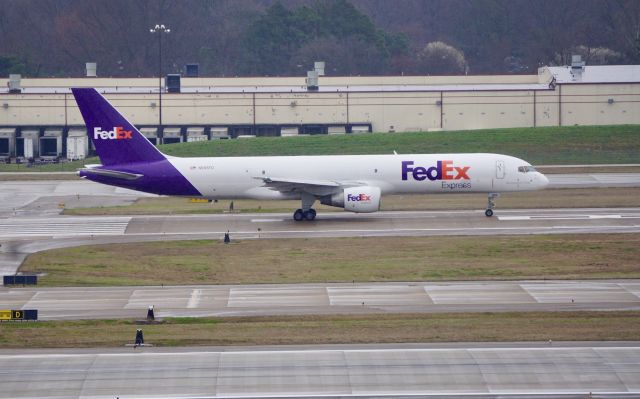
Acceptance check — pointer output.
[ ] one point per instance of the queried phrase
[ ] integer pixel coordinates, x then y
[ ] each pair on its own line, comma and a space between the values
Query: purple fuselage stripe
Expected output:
159, 177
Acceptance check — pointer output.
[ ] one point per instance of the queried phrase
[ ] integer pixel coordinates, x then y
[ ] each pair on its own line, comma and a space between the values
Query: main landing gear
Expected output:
306, 212
300, 215
491, 204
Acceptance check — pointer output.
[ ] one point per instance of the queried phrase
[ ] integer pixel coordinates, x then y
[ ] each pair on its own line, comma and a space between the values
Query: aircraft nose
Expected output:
543, 180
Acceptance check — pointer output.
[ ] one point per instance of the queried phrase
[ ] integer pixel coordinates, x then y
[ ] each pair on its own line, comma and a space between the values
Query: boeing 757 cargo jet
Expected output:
353, 182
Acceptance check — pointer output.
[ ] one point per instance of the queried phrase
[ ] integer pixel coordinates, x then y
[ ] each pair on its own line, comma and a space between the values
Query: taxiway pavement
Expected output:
335, 298
32, 197
20, 236
392, 371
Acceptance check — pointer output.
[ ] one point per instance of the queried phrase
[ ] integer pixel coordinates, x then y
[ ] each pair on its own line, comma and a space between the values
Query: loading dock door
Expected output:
4, 146
500, 169
49, 146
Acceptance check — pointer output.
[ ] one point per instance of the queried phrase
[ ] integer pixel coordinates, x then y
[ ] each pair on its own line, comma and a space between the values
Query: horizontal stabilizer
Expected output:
109, 173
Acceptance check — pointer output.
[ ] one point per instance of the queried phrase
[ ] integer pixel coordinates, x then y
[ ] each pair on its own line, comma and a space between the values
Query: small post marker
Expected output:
227, 238
150, 315
139, 338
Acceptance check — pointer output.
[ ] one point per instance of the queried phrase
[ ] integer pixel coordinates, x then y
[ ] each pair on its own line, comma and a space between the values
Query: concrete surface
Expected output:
342, 371
281, 299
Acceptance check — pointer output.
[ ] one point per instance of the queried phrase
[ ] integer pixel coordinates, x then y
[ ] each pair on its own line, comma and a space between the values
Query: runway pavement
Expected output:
21, 235
335, 298
592, 180
392, 371
30, 197
30, 221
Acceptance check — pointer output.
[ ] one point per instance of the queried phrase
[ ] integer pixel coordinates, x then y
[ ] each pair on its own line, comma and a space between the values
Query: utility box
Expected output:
192, 70
172, 83
14, 83
92, 69
312, 80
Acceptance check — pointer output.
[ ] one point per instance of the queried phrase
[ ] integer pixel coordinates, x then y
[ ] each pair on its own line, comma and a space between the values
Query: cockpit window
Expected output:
526, 169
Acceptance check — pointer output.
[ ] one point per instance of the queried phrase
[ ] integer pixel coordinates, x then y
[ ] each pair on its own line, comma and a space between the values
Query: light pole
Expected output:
160, 29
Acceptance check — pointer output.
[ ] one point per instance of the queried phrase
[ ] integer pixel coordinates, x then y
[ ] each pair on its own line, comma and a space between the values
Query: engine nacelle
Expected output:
363, 199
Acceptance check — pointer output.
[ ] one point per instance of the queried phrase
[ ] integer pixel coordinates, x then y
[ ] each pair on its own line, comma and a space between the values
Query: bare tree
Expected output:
439, 58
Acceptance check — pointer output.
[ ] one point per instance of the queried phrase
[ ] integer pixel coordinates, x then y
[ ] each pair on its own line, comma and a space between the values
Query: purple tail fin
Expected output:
116, 140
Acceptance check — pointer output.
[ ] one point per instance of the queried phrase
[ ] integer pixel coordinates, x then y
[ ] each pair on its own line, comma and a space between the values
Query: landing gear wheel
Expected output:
298, 215
310, 214
491, 204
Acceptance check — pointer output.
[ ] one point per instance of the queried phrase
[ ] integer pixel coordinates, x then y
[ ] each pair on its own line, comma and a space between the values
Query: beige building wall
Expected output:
601, 104
566, 104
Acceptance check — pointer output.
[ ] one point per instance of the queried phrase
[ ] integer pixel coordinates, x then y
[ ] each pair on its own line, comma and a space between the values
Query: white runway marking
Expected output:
70, 227
567, 217
194, 301
266, 220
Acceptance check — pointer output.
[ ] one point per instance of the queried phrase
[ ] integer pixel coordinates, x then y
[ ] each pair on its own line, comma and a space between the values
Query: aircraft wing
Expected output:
314, 187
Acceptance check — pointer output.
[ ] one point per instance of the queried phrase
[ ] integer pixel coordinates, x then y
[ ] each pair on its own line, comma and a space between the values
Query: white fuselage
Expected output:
243, 177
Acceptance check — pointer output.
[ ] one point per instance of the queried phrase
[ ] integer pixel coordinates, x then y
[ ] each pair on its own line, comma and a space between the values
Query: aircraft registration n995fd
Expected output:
352, 182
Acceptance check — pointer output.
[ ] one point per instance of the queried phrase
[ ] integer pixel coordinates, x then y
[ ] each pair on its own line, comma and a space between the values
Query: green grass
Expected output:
335, 329
547, 145
581, 256
52, 167
544, 145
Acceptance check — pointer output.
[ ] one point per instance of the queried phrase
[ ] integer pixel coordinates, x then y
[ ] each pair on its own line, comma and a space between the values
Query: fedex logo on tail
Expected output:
118, 133
443, 170
358, 198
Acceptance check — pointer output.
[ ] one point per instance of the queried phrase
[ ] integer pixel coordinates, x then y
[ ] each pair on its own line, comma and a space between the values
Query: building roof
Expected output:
596, 74
546, 75
298, 89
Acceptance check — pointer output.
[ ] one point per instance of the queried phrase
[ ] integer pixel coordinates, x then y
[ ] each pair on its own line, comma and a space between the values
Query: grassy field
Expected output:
544, 145
558, 198
582, 256
53, 167
548, 145
361, 329
38, 176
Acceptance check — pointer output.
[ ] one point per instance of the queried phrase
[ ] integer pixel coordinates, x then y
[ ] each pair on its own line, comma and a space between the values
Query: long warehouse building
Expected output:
40, 120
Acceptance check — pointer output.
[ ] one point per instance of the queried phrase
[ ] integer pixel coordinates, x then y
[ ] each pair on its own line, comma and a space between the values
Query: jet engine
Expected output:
362, 199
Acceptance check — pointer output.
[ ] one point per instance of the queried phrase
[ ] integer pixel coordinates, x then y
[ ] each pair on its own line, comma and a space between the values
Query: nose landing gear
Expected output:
491, 204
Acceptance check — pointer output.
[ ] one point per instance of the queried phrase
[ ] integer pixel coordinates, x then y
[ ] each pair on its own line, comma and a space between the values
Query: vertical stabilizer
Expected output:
116, 140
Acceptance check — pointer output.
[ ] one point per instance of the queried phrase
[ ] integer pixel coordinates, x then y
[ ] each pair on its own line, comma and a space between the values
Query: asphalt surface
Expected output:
30, 219
30, 222
303, 299
393, 371
21, 235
